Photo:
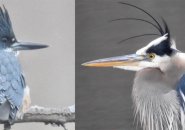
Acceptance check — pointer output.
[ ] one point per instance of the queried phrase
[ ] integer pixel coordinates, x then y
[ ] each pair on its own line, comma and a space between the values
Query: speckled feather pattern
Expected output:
11, 82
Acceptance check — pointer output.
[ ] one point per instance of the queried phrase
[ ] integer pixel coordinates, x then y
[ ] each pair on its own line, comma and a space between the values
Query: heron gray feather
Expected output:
156, 103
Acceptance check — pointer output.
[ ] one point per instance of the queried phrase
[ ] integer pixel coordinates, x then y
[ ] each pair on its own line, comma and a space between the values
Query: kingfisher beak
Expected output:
17, 46
129, 62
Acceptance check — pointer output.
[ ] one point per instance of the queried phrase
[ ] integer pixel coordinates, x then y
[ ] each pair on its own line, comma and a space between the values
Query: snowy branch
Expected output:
53, 116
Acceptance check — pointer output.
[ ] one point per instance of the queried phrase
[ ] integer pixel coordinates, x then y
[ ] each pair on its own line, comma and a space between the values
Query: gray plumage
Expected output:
156, 101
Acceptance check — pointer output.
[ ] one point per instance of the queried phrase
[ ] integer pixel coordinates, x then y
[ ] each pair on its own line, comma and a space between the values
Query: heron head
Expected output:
157, 54
7, 36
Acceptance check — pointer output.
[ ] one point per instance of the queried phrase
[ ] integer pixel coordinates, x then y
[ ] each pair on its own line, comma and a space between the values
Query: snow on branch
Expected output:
53, 116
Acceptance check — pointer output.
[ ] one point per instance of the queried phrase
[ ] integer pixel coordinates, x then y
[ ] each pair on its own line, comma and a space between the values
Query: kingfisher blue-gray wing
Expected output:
181, 90
12, 82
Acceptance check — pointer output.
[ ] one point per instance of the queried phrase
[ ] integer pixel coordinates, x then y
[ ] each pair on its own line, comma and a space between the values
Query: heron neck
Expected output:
179, 61
176, 69
152, 95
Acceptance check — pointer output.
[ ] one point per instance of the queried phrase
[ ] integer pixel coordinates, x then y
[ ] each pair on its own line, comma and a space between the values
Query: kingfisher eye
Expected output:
151, 55
13, 40
4, 39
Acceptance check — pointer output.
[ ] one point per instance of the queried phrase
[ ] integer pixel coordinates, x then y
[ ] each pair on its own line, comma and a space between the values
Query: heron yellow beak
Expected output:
127, 60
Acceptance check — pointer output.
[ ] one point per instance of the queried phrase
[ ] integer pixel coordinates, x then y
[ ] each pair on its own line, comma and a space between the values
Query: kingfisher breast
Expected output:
11, 82
9, 65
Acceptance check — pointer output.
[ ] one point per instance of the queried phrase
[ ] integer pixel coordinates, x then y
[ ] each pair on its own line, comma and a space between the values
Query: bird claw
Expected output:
56, 125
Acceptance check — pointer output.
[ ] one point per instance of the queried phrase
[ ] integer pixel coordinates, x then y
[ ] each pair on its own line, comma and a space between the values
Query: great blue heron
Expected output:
159, 85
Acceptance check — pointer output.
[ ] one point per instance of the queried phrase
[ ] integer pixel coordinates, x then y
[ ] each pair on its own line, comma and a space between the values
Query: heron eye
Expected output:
151, 55
4, 39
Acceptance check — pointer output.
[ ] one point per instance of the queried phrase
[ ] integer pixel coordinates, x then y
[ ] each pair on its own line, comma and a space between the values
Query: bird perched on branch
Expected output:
14, 93
159, 86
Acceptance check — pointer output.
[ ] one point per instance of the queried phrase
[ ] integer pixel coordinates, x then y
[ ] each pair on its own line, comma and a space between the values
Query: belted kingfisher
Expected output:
12, 82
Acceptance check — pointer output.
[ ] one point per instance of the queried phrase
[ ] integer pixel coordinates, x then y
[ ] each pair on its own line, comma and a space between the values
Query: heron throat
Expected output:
156, 102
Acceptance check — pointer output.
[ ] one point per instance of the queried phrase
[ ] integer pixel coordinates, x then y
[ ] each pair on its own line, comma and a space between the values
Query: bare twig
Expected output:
53, 116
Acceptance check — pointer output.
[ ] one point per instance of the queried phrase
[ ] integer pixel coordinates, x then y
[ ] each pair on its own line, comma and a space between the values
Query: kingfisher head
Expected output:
7, 36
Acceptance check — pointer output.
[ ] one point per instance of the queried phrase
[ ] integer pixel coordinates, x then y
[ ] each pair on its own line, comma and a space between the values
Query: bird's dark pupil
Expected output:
151, 56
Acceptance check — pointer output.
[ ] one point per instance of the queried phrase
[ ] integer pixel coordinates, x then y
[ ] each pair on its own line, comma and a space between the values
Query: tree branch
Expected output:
53, 116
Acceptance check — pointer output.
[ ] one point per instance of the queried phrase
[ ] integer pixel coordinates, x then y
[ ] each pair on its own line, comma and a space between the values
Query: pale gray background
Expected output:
49, 72
104, 94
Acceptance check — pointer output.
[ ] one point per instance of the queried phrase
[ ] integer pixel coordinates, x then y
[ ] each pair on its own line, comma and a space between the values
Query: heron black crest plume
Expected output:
138, 19
141, 35
162, 29
167, 31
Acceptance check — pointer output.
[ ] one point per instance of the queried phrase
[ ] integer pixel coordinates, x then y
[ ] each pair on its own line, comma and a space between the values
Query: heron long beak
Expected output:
17, 46
123, 62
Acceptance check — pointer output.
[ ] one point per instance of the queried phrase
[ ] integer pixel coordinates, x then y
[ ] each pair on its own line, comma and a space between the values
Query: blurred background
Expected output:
103, 95
49, 72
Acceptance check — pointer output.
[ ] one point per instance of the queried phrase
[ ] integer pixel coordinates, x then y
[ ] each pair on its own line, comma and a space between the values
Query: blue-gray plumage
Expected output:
12, 82
181, 88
